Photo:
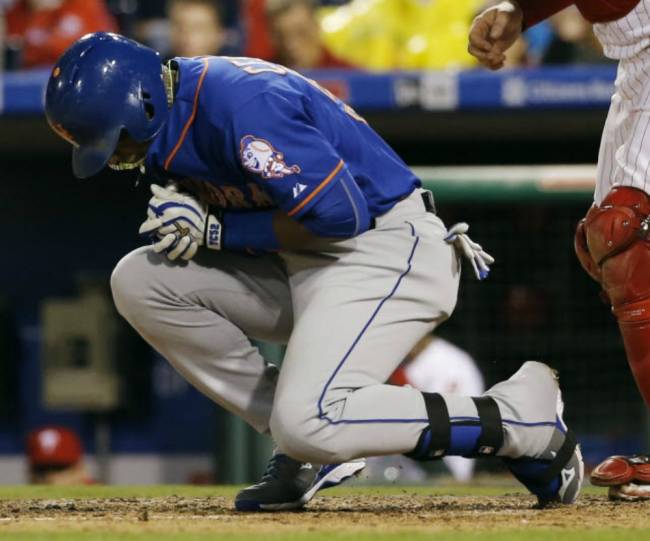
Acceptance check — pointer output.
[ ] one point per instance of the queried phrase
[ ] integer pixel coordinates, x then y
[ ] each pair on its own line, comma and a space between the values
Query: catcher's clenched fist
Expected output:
493, 33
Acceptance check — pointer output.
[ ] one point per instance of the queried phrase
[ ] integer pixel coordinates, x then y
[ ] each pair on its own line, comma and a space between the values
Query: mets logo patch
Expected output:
258, 156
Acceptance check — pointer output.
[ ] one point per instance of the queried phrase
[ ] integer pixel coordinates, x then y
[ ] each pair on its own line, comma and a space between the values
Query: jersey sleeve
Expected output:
536, 11
278, 147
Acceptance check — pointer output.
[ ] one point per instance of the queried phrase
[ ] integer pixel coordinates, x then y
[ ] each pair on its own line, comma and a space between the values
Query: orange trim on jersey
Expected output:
318, 188
190, 120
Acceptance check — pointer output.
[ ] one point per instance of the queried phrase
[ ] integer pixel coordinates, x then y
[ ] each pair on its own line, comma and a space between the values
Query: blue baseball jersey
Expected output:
251, 135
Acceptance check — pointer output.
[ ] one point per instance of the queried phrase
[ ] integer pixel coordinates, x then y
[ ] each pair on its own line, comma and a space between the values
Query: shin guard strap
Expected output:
561, 459
491, 438
438, 423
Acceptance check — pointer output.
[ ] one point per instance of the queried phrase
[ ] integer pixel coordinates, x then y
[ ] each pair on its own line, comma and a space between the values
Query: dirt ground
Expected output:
363, 512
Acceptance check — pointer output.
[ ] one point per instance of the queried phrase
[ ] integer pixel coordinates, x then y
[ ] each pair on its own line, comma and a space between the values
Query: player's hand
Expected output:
493, 33
175, 223
473, 252
179, 224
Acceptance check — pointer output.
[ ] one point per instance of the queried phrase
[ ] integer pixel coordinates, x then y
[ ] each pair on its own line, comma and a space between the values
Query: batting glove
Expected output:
480, 259
179, 224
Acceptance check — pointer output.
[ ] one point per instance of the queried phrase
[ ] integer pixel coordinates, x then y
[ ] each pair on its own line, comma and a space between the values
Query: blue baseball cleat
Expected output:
288, 484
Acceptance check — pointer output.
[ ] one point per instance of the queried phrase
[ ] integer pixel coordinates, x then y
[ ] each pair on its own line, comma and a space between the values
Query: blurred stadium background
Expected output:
512, 153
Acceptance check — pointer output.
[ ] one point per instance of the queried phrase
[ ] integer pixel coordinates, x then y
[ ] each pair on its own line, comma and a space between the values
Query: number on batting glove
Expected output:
178, 224
479, 258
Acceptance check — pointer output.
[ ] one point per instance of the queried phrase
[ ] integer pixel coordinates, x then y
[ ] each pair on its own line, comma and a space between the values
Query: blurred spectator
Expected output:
394, 34
565, 38
157, 9
254, 21
195, 27
295, 34
537, 40
574, 40
525, 308
55, 457
189, 27
151, 9
39, 31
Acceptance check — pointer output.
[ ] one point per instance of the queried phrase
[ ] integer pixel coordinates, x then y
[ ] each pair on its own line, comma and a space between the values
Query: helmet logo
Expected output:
65, 134
56, 72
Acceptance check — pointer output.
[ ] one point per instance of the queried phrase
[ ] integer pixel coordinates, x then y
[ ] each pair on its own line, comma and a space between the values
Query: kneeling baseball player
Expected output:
281, 215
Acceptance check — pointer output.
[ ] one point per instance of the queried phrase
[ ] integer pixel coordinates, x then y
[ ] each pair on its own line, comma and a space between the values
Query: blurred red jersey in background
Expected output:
44, 29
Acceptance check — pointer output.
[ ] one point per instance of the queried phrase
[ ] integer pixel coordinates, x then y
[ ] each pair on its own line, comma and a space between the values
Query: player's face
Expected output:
128, 153
296, 35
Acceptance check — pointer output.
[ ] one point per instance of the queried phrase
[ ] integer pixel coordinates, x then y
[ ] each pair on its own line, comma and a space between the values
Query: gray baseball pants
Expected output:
349, 312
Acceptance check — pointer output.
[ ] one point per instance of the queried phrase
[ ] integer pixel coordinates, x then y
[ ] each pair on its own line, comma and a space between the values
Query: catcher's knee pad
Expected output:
582, 251
612, 243
616, 235
610, 228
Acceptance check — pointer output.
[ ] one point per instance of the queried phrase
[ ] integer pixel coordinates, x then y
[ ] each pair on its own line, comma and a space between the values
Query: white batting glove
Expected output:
178, 224
479, 258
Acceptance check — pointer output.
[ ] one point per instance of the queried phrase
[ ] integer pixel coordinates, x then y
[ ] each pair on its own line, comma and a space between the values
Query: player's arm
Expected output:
291, 234
264, 230
340, 213
280, 150
179, 223
242, 231
535, 11
496, 29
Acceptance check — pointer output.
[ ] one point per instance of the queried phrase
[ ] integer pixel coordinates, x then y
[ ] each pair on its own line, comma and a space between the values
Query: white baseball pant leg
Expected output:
198, 316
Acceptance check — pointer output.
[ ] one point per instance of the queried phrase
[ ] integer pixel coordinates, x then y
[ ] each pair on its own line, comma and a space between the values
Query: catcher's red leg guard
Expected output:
616, 238
582, 251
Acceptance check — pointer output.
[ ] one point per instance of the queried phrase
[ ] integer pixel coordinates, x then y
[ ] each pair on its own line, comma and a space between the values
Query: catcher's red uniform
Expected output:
613, 241
628, 478
595, 11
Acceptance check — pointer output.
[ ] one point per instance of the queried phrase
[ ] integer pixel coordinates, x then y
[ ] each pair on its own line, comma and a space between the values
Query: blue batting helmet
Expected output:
103, 84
